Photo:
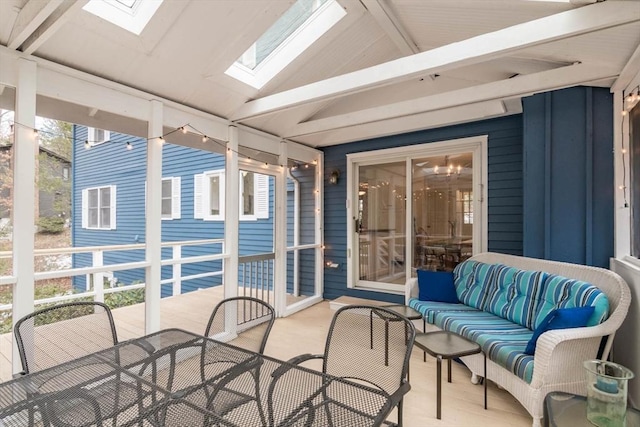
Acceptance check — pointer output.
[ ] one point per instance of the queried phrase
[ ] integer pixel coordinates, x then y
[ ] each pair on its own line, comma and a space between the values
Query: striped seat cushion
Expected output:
501, 340
429, 309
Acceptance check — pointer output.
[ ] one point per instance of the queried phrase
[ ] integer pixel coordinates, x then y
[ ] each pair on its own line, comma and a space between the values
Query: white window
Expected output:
254, 203
209, 196
171, 198
99, 208
132, 15
295, 31
97, 136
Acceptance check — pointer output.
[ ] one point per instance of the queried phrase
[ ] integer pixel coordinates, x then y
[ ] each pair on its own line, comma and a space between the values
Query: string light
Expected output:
162, 138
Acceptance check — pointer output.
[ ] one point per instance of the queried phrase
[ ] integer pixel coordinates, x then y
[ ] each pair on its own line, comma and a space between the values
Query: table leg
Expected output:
485, 380
424, 330
386, 343
438, 386
371, 328
449, 370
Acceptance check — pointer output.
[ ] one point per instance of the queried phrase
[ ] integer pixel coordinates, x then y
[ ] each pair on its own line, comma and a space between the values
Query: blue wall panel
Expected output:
504, 192
568, 197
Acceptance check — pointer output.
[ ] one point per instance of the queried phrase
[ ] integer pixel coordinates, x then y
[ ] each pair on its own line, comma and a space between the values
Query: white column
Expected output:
231, 215
280, 233
25, 152
319, 239
154, 219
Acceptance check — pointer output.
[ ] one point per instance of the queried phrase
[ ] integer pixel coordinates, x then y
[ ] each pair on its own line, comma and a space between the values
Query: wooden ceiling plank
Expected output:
477, 49
390, 24
516, 87
30, 17
55, 21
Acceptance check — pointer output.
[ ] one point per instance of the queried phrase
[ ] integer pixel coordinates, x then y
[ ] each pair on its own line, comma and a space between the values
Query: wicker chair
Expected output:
367, 345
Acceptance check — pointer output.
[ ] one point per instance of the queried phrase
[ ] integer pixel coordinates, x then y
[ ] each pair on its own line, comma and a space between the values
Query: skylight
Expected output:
297, 29
132, 15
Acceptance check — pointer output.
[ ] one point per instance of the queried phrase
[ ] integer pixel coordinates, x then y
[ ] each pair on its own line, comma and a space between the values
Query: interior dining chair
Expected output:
65, 332
365, 344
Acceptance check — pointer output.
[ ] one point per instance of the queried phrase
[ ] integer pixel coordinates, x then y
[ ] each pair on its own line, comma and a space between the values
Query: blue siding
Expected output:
111, 164
504, 192
569, 201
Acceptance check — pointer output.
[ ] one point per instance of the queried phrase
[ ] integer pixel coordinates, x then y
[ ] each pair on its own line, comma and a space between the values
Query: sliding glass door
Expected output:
414, 208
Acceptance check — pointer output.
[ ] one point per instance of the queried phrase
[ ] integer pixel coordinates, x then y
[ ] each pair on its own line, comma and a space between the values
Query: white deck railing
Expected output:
96, 272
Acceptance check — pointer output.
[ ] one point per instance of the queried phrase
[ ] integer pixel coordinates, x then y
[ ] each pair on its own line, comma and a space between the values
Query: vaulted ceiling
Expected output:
387, 67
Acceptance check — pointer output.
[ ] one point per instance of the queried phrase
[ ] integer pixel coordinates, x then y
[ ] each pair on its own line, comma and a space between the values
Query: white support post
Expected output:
319, 235
98, 278
154, 219
231, 215
280, 233
177, 270
25, 154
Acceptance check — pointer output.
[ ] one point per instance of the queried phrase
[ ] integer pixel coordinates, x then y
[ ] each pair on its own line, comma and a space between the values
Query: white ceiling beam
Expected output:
431, 119
630, 70
464, 53
57, 19
384, 16
516, 87
30, 17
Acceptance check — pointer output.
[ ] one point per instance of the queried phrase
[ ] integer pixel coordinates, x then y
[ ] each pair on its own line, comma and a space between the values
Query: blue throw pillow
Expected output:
561, 318
436, 286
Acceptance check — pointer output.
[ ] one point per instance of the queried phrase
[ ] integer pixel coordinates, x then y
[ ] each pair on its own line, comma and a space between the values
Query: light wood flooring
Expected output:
305, 332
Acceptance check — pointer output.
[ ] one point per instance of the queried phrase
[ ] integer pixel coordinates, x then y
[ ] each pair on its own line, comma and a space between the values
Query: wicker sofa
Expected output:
556, 364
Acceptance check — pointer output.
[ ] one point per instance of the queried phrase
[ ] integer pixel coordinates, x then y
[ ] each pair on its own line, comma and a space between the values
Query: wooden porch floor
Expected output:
305, 332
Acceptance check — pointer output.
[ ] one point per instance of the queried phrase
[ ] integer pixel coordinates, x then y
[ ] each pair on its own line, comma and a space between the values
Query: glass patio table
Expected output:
176, 378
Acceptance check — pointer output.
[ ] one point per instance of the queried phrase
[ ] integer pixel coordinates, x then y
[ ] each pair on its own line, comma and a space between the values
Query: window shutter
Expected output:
85, 208
112, 217
175, 197
198, 206
262, 196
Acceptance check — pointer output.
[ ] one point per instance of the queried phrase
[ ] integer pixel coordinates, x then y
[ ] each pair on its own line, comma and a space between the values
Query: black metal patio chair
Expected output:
65, 332
367, 345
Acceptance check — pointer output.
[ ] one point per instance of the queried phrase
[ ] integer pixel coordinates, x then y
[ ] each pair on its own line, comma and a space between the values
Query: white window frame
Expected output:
201, 192
201, 195
319, 23
260, 197
476, 145
175, 197
112, 208
94, 140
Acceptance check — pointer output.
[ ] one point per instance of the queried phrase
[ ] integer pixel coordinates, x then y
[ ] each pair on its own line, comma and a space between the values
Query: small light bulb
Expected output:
624, 112
204, 138
87, 145
624, 151
161, 139
621, 187
183, 129
129, 146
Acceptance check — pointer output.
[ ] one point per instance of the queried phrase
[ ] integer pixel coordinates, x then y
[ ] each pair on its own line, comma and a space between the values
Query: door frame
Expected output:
477, 145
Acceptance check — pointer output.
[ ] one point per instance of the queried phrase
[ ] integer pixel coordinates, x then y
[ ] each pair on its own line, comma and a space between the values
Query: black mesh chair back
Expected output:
63, 332
371, 345
242, 321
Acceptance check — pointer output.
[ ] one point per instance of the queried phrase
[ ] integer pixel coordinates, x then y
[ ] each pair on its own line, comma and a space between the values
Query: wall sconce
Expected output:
333, 179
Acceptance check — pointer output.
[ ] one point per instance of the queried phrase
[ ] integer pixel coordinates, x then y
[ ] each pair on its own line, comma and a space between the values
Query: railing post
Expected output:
177, 270
98, 278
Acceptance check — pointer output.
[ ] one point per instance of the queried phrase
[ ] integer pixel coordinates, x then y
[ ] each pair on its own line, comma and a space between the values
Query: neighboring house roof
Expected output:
5, 147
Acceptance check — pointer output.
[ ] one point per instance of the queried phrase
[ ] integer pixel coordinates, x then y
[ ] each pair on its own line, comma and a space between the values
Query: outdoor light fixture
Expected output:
333, 179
